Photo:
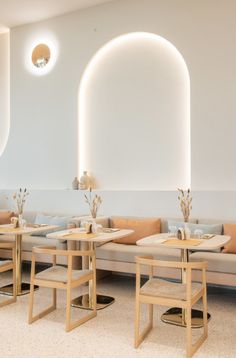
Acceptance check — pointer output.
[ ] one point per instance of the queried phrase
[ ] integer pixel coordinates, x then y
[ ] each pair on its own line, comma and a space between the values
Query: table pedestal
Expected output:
175, 316
23, 289
84, 302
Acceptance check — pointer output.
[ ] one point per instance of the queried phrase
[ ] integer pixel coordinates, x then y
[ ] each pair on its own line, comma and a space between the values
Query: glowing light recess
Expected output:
93, 66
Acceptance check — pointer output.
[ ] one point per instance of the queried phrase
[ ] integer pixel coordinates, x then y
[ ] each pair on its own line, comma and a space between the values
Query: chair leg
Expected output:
139, 337
14, 284
31, 303
12, 299
189, 332
71, 325
192, 348
68, 309
204, 302
42, 313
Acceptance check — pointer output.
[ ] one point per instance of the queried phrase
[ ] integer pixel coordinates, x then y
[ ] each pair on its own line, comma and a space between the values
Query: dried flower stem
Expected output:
94, 203
20, 199
185, 203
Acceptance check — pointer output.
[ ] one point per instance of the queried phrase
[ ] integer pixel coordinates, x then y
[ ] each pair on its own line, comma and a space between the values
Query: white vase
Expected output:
84, 182
21, 221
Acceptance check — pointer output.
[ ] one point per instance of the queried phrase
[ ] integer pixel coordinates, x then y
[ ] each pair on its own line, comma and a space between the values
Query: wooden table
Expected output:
22, 287
176, 315
85, 301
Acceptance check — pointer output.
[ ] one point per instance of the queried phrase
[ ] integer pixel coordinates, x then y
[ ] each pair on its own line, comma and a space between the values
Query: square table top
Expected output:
163, 240
79, 234
33, 228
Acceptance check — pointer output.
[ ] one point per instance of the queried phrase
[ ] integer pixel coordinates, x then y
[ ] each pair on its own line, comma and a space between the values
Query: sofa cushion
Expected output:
142, 227
215, 229
126, 253
60, 221
217, 261
5, 217
101, 220
230, 230
164, 222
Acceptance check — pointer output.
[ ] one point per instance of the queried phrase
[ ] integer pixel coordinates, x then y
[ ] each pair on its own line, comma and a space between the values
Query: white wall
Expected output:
4, 90
42, 148
206, 205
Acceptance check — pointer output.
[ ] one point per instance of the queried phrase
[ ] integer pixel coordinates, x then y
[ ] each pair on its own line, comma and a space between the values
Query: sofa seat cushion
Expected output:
28, 242
162, 288
126, 253
60, 274
217, 262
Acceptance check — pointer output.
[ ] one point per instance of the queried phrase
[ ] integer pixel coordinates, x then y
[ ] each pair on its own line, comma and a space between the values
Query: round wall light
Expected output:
41, 55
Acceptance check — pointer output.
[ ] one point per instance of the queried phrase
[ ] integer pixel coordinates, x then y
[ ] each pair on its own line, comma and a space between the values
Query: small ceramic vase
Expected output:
75, 184
84, 181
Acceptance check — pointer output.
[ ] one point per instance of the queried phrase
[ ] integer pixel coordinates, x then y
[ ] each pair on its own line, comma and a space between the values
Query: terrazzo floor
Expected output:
111, 333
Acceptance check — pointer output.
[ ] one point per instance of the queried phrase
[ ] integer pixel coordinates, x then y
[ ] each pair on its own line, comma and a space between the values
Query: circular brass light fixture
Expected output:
41, 55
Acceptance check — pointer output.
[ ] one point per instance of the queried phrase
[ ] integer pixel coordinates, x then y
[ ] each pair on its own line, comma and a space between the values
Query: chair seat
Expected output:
5, 262
59, 274
162, 288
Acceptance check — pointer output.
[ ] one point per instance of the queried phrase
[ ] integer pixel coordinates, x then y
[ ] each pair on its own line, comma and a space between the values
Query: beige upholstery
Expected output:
183, 296
5, 262
126, 253
161, 288
60, 274
217, 262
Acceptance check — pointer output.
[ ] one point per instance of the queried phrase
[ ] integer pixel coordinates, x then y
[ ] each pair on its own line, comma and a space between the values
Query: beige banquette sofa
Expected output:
119, 257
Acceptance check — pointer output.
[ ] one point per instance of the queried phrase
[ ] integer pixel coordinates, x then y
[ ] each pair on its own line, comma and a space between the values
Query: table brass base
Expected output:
174, 316
84, 302
8, 289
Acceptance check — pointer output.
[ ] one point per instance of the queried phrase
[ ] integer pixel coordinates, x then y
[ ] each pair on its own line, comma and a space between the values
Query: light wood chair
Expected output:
172, 294
63, 278
7, 265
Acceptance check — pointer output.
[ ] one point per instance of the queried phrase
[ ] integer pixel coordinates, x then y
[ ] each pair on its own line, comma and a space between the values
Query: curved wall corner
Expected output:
4, 90
134, 115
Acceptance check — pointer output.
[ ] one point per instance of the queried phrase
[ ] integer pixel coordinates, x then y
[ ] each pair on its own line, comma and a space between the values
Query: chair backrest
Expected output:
187, 267
51, 250
149, 261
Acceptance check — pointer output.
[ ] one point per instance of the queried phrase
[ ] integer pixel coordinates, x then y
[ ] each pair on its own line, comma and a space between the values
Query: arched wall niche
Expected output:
4, 91
134, 115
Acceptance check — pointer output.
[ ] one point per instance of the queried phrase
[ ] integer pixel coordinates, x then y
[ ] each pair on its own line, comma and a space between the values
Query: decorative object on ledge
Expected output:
41, 55
84, 182
93, 202
20, 199
75, 184
185, 203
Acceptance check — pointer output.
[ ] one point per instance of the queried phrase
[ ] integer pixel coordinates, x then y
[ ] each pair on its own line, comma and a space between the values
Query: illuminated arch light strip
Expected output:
92, 66
53, 46
5, 128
